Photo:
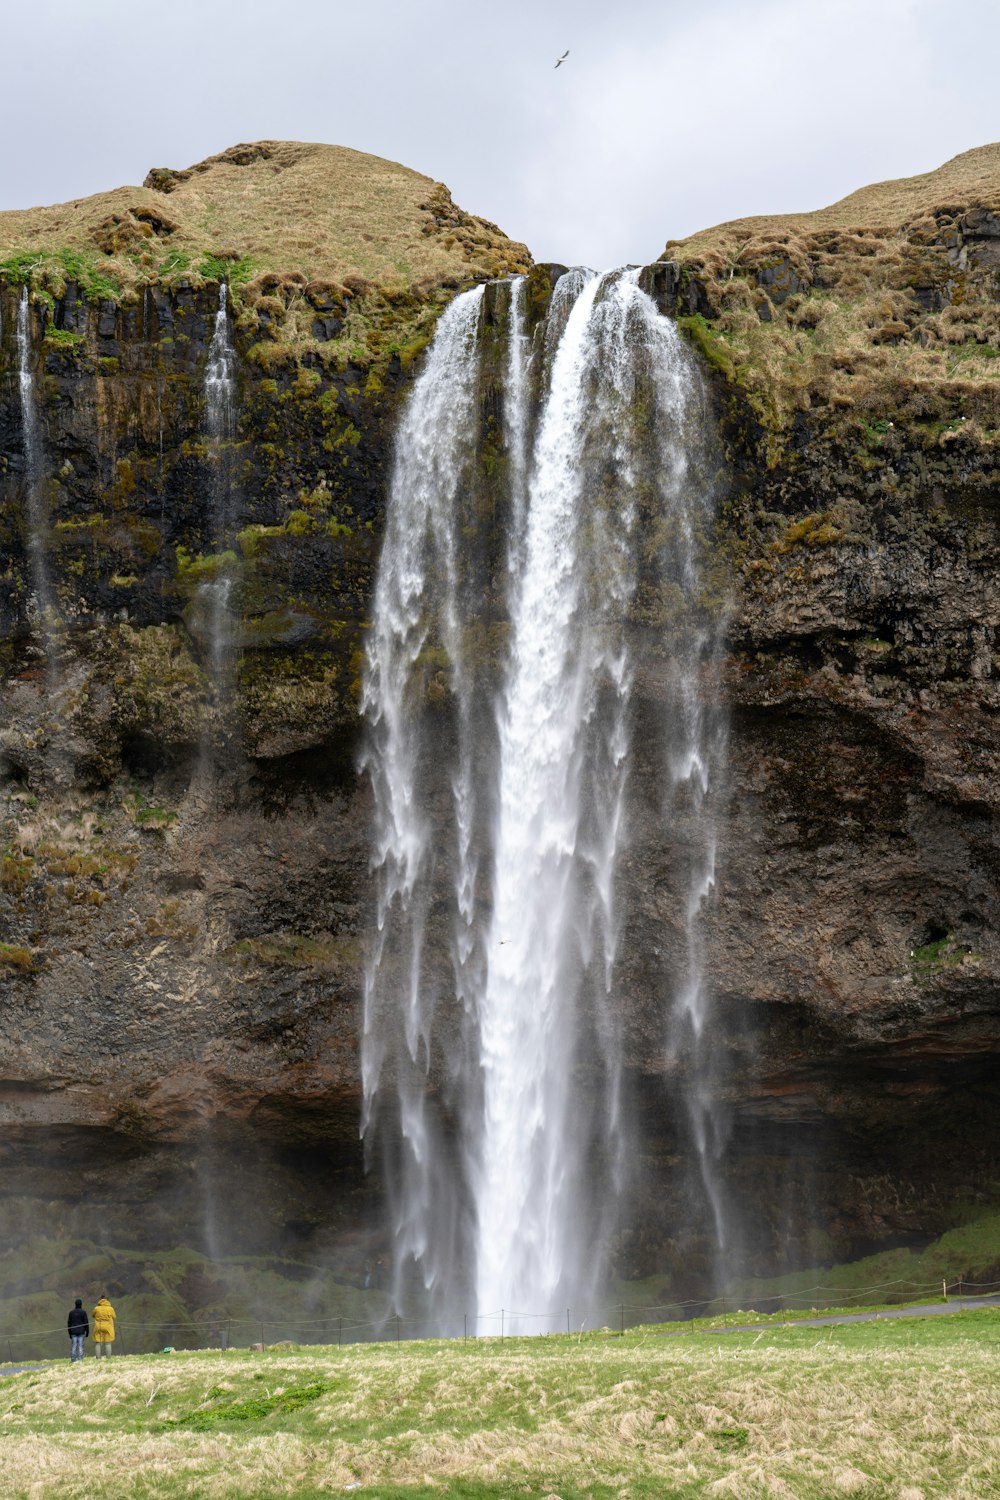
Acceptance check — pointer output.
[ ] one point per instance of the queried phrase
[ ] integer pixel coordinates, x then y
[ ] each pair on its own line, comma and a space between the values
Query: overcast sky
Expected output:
665, 118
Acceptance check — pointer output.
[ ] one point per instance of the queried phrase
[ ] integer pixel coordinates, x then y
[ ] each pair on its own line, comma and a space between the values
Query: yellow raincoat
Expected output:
104, 1322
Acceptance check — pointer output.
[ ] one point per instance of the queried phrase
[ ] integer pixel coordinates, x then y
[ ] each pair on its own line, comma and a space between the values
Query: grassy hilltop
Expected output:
907, 1410
881, 308
298, 230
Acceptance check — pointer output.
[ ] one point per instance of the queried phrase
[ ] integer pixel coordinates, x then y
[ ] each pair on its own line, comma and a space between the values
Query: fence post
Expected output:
340, 1332
724, 1308
623, 1320
397, 1329
10, 1349
944, 1287
501, 1325
567, 1320
262, 1338
465, 1328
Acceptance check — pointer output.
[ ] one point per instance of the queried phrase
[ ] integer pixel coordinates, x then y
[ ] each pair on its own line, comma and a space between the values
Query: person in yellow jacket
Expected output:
104, 1326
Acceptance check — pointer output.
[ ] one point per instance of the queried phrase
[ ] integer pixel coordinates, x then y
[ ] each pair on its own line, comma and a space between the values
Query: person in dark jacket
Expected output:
79, 1327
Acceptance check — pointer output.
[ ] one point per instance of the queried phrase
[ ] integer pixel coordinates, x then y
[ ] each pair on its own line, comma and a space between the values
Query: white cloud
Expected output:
666, 117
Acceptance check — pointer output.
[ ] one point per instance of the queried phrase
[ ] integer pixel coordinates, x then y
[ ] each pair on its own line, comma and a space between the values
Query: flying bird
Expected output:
563, 58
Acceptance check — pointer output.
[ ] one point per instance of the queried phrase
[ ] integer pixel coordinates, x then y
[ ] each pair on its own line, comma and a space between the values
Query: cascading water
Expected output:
555, 846
499, 700
36, 516
220, 378
220, 427
414, 618
696, 761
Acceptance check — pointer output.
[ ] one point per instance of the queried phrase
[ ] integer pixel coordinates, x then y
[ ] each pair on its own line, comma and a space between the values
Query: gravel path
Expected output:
921, 1310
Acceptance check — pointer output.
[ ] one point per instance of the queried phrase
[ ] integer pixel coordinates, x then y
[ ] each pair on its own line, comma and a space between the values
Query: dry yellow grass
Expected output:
880, 1411
326, 212
882, 307
971, 179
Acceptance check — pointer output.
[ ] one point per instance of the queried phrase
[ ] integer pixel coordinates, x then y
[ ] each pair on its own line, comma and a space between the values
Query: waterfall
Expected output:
36, 514
211, 605
220, 378
696, 761
499, 702
529, 1183
416, 615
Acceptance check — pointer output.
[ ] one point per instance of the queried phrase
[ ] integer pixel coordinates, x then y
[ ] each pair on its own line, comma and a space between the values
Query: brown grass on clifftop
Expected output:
300, 231
969, 179
284, 206
884, 306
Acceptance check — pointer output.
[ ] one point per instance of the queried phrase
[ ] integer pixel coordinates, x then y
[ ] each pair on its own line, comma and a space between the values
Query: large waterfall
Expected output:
525, 553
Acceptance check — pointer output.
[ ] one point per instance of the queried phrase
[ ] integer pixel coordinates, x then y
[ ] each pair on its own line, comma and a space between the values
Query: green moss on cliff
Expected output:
327, 252
298, 951
160, 689
13, 956
49, 269
881, 309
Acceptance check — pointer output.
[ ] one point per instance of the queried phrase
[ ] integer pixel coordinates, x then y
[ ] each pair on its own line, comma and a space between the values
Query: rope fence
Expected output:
611, 1320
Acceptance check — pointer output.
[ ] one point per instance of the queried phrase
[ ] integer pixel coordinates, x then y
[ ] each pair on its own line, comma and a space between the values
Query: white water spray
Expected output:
35, 510
212, 603
220, 375
416, 624
500, 813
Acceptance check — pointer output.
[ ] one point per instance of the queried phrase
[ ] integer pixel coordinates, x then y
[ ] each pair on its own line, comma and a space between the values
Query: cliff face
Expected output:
180, 953
181, 950
183, 888
855, 950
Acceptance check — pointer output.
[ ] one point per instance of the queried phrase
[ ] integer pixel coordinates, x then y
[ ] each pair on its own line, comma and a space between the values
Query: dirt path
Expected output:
920, 1310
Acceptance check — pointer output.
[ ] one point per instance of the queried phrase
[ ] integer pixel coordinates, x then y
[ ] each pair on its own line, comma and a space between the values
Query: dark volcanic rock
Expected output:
181, 961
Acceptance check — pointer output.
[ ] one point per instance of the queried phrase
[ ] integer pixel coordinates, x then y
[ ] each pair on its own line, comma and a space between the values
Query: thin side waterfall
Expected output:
693, 776
697, 744
220, 378
35, 510
517, 417
499, 699
211, 611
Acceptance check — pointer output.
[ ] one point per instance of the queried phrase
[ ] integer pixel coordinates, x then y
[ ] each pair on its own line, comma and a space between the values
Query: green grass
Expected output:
969, 1253
271, 219
150, 815
902, 1409
216, 1409
60, 266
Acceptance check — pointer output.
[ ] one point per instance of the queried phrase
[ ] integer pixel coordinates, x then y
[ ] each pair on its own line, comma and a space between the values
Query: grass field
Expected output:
907, 1409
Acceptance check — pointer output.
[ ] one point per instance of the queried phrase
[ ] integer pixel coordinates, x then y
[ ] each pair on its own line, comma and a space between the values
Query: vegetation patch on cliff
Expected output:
325, 249
880, 311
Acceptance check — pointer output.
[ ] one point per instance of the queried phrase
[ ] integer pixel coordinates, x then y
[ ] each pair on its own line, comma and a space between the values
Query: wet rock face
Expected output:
129, 486
181, 955
180, 952
855, 948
